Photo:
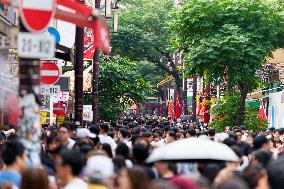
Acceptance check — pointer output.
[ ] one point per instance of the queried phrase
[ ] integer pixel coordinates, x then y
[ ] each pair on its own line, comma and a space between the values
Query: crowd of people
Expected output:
112, 156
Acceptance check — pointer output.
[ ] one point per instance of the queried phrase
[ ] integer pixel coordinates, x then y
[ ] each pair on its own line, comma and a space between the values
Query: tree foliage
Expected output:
228, 38
226, 111
143, 34
120, 85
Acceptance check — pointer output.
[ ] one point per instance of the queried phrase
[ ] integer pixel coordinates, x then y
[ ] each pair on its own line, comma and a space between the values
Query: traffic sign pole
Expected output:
79, 44
29, 99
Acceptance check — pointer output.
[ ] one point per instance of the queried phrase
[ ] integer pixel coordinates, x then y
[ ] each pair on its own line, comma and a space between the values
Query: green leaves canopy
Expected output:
142, 35
120, 85
227, 37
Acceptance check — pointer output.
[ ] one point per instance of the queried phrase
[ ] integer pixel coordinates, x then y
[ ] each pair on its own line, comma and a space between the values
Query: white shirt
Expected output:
76, 184
70, 144
158, 144
107, 139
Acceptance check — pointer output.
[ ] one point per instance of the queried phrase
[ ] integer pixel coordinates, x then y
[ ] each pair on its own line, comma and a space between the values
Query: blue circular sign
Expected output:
54, 33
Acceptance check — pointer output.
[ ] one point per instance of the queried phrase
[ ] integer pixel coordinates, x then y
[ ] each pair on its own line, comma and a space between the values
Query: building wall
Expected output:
278, 59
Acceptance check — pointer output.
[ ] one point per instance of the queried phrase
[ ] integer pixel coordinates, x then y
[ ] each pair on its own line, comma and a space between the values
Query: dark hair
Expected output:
147, 134
107, 148
74, 159
159, 132
51, 139
104, 126
122, 149
276, 174
210, 170
119, 163
68, 126
34, 178
172, 134
259, 141
191, 131
11, 150
140, 153
123, 132
211, 132
233, 183
262, 157
233, 135
252, 174
230, 141
138, 177
95, 129
237, 149
111, 134
243, 128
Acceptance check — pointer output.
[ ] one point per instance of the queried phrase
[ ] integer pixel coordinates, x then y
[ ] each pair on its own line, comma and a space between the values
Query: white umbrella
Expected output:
193, 149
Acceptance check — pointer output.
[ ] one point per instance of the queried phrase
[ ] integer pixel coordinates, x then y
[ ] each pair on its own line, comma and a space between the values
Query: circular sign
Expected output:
59, 109
36, 14
54, 33
49, 73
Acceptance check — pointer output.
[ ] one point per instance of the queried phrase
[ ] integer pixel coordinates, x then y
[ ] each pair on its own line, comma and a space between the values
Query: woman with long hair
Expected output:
133, 178
34, 178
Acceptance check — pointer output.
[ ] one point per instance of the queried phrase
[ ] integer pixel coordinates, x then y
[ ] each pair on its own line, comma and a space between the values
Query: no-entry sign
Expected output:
36, 14
49, 73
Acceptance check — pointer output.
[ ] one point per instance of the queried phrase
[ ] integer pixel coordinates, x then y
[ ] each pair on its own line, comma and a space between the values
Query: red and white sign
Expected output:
60, 109
36, 14
49, 73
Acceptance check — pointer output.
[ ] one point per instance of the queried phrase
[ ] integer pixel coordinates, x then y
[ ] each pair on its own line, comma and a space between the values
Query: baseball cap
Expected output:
99, 168
84, 132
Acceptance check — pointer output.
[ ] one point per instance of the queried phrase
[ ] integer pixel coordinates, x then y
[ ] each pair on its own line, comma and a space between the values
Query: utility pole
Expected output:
185, 112
78, 67
194, 88
95, 81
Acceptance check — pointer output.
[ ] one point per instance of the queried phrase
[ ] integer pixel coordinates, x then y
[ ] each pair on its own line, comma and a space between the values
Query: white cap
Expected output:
84, 132
99, 167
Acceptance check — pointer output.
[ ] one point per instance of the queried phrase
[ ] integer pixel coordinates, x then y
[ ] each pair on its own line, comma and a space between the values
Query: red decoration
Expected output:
171, 108
261, 113
101, 36
178, 107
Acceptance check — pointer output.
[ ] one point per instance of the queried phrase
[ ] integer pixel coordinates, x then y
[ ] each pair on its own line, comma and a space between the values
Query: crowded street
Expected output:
141, 94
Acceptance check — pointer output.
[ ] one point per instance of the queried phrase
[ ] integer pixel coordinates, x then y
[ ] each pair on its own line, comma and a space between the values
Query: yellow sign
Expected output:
43, 117
60, 120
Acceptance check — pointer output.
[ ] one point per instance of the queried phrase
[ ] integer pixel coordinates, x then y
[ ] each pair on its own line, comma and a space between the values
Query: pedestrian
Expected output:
99, 171
15, 160
68, 168
64, 135
34, 178
133, 178
104, 138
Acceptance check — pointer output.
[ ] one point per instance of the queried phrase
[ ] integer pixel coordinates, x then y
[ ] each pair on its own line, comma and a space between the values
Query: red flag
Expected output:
101, 36
261, 113
178, 108
137, 109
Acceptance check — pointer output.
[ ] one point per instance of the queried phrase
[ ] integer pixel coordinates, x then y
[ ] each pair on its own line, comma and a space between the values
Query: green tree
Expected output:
143, 35
225, 113
228, 38
120, 85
